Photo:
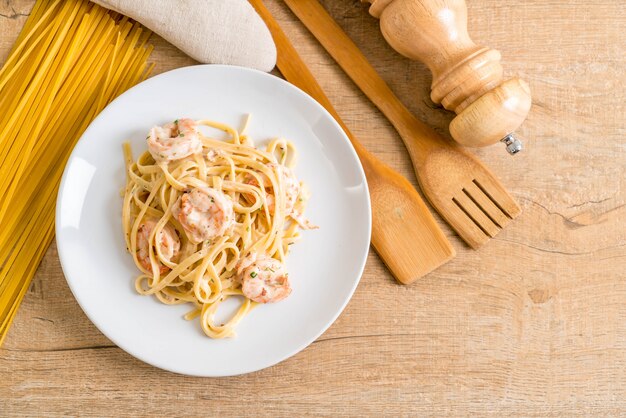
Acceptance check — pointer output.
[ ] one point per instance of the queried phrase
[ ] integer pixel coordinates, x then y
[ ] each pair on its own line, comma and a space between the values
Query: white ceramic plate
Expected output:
325, 266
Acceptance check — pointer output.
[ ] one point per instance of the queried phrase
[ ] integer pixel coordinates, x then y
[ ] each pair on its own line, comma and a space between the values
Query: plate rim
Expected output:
65, 259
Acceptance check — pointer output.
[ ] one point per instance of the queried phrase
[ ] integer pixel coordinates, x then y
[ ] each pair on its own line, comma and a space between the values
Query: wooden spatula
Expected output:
464, 192
404, 233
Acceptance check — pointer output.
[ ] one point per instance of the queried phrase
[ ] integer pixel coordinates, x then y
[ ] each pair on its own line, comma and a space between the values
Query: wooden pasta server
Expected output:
464, 192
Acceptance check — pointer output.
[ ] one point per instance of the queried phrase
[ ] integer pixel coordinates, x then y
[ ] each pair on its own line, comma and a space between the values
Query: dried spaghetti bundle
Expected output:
70, 60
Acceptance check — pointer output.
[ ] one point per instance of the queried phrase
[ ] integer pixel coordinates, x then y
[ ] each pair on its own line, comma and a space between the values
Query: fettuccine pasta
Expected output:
207, 219
71, 59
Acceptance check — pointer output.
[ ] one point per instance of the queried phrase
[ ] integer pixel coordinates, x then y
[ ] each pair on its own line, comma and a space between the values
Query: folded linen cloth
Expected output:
210, 31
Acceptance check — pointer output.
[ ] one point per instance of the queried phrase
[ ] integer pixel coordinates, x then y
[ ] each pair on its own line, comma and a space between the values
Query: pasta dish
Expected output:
207, 219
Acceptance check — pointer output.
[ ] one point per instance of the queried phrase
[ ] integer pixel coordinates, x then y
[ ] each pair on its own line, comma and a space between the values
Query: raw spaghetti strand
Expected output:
70, 60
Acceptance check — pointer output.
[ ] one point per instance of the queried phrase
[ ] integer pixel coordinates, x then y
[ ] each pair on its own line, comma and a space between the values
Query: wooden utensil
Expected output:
404, 233
464, 192
467, 78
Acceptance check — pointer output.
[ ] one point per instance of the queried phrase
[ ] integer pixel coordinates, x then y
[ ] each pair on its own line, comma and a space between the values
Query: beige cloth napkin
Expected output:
210, 31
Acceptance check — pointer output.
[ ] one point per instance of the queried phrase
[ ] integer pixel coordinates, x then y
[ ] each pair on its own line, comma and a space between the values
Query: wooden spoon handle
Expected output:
404, 233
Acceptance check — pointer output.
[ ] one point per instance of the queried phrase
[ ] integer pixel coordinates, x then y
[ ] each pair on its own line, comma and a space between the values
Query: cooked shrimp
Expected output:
263, 279
204, 213
174, 141
290, 183
168, 241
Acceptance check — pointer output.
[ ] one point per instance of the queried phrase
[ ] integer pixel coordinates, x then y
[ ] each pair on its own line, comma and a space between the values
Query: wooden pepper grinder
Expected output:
467, 78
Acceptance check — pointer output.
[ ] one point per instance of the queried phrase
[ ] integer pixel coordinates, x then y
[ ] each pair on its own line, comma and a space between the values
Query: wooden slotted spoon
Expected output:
404, 233
464, 192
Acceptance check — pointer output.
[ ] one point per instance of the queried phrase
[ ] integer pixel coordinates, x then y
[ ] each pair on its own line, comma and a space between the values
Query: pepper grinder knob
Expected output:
467, 78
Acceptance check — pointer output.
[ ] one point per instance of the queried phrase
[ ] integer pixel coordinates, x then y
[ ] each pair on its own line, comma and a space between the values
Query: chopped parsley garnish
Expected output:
176, 121
253, 274
181, 134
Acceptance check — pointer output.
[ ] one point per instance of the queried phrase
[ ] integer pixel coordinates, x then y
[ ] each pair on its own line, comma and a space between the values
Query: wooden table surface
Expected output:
533, 324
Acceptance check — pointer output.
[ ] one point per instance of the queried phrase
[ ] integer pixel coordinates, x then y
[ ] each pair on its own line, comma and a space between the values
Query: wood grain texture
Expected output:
532, 324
